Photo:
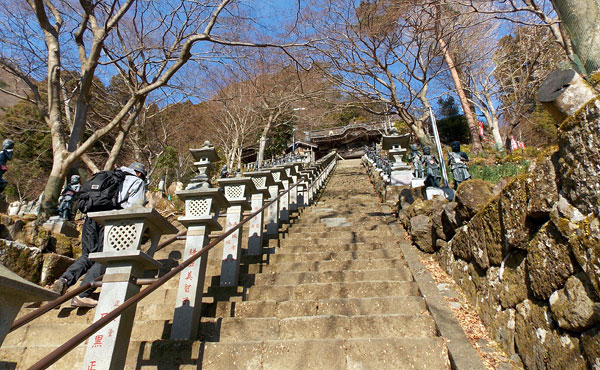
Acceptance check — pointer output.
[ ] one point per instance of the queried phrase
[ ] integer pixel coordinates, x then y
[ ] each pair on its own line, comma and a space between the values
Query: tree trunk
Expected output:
120, 140
476, 146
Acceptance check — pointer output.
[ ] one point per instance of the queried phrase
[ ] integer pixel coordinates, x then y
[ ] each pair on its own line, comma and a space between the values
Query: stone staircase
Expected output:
335, 292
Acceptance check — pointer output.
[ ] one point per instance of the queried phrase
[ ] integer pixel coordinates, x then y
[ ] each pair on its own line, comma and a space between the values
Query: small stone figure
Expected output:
456, 161
224, 173
415, 157
5, 155
432, 168
67, 197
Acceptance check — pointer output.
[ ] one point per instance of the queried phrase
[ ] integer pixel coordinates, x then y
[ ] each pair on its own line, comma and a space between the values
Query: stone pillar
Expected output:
14, 291
280, 176
262, 180
202, 208
397, 145
238, 191
125, 262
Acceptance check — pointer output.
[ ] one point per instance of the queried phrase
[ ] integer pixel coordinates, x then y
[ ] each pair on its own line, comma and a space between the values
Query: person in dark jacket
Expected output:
131, 193
5, 155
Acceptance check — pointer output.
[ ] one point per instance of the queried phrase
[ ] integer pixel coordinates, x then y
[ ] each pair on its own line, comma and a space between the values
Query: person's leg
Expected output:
95, 238
82, 264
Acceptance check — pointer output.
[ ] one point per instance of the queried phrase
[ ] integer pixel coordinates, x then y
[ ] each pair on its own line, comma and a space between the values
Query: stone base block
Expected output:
60, 226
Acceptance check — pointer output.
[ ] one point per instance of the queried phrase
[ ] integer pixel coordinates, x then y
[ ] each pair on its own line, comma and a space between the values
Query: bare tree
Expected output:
144, 42
382, 52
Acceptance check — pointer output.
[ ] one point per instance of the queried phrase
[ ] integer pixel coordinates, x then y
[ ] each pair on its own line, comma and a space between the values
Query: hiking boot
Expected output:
85, 302
60, 286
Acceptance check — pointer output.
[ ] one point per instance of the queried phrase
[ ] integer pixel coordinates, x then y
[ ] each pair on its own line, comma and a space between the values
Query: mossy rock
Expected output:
471, 196
486, 236
542, 189
585, 245
514, 280
549, 263
540, 345
513, 213
21, 259
62, 245
579, 158
590, 341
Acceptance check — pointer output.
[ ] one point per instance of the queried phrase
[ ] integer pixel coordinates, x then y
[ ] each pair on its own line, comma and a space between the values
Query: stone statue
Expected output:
223, 173
5, 155
456, 161
415, 157
67, 197
432, 168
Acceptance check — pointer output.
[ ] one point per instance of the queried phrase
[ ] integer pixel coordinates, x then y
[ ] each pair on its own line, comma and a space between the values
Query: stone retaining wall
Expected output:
527, 255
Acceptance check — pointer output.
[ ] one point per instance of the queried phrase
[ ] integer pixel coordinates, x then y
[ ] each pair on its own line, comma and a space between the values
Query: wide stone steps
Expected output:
374, 264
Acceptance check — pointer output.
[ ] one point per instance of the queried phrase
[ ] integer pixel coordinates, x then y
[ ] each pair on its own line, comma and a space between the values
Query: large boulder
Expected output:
175, 187
463, 275
539, 345
421, 233
586, 248
471, 196
514, 279
53, 267
445, 256
502, 330
21, 259
450, 220
486, 240
590, 341
513, 213
573, 308
579, 163
541, 185
549, 263
460, 243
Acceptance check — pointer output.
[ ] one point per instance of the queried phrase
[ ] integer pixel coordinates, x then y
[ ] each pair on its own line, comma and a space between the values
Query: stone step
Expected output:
347, 247
312, 277
329, 354
340, 306
325, 327
339, 241
43, 334
342, 231
334, 256
24, 357
332, 290
375, 264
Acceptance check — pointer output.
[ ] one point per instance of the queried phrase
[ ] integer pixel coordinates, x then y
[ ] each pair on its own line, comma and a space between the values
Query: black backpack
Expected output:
101, 191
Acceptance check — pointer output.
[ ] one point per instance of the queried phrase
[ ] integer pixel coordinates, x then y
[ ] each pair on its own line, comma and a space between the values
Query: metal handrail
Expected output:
55, 355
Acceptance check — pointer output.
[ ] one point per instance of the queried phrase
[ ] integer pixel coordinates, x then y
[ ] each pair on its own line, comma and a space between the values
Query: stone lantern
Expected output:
238, 191
396, 145
125, 262
204, 158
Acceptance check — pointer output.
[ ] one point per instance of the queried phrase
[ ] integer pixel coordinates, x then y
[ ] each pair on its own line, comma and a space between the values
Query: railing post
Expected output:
237, 191
125, 262
202, 208
262, 180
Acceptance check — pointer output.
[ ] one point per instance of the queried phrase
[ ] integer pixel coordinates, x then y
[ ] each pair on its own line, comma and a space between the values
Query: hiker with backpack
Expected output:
122, 188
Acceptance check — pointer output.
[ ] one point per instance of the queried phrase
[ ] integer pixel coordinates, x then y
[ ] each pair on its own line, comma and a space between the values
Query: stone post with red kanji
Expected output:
262, 180
125, 262
238, 191
202, 206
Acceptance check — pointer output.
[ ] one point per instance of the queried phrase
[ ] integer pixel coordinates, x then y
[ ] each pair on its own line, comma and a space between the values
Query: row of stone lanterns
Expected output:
248, 192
